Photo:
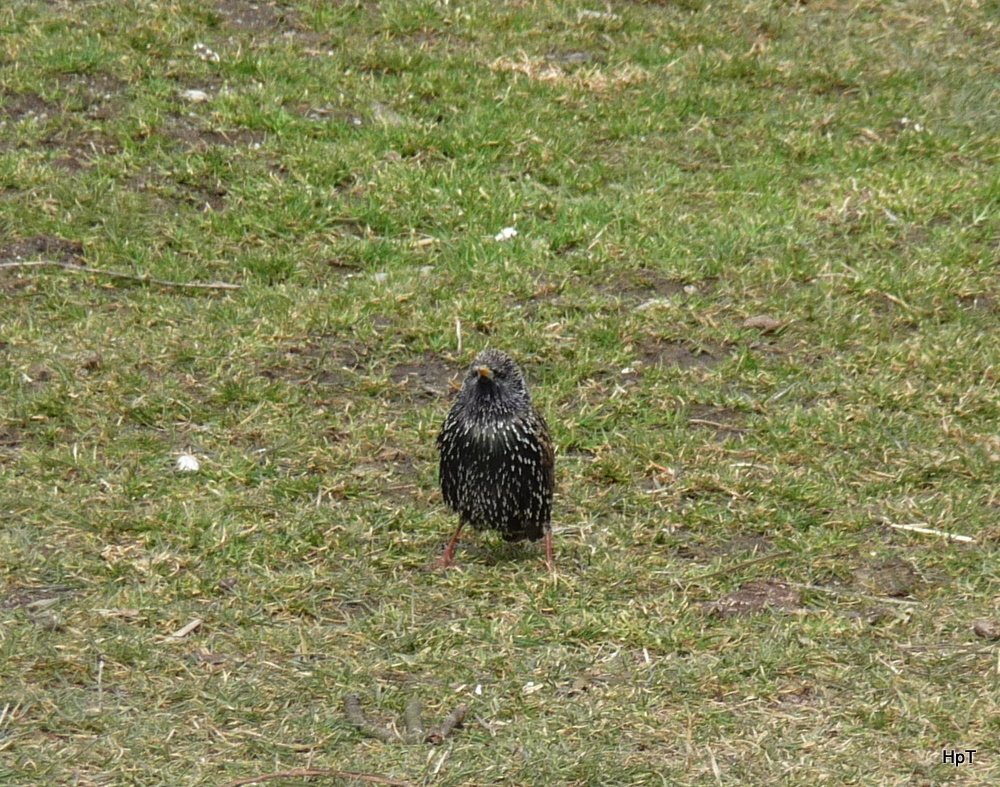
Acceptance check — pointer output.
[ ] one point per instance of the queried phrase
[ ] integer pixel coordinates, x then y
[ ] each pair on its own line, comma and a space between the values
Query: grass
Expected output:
731, 604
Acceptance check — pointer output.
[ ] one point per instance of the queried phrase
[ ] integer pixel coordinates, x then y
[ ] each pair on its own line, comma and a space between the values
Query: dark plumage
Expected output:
497, 459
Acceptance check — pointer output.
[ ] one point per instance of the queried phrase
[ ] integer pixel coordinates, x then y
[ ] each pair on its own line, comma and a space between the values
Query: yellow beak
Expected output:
485, 371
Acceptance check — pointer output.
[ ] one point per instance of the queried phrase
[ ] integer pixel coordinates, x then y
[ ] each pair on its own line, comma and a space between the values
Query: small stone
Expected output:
187, 464
506, 234
205, 53
764, 323
987, 629
194, 96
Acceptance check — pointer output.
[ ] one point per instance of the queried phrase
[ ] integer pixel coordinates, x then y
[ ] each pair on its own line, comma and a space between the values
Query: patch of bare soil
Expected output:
205, 196
426, 378
758, 595
743, 546
345, 611
46, 247
321, 361
893, 577
257, 17
10, 443
397, 472
724, 422
96, 94
34, 598
800, 695
200, 139
684, 355
643, 285
18, 106
79, 149
980, 302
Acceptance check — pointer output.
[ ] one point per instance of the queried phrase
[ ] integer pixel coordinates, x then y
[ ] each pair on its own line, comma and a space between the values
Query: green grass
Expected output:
673, 170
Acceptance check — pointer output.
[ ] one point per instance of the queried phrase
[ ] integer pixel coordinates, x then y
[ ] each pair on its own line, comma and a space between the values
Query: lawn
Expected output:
755, 287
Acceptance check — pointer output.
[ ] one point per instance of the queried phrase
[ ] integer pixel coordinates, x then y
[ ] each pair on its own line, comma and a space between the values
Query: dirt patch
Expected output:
200, 192
986, 304
42, 246
749, 544
321, 361
397, 472
893, 577
198, 139
644, 285
341, 268
756, 596
81, 149
684, 355
206, 197
94, 94
743, 546
801, 695
722, 421
10, 444
34, 598
328, 113
345, 611
427, 378
20, 106
257, 17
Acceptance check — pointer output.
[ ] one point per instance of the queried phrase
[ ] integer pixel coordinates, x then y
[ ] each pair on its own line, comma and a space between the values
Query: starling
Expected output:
497, 459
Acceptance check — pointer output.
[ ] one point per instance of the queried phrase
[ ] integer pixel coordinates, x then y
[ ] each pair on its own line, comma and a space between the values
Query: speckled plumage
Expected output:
497, 460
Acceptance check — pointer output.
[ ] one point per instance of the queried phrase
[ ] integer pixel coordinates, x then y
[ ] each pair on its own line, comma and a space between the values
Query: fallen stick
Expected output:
930, 531
352, 707
451, 721
69, 266
186, 629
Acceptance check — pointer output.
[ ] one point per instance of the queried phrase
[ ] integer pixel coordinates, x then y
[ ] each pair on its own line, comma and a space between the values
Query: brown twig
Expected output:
310, 773
451, 721
148, 280
352, 707
186, 629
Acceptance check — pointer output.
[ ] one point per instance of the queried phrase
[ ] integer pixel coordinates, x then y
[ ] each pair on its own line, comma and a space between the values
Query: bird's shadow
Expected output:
492, 550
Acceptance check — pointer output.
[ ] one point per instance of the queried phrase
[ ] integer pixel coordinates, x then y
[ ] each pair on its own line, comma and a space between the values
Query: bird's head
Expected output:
495, 381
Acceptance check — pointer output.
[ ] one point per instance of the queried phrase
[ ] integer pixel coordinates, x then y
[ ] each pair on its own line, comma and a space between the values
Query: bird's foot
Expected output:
550, 560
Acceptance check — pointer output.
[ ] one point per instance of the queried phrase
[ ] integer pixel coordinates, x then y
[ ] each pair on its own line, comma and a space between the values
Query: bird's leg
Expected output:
449, 551
549, 560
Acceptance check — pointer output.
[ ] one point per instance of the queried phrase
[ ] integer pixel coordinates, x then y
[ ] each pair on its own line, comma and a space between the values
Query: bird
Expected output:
497, 467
